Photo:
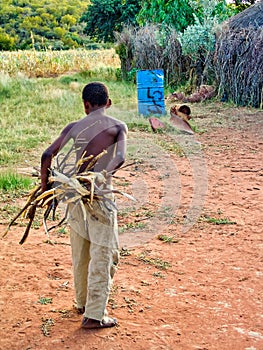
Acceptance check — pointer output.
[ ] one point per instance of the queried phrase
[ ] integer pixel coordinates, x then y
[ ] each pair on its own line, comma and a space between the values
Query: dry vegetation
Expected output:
53, 63
239, 58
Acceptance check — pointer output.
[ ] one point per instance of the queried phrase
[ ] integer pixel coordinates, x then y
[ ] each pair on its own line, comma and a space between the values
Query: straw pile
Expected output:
239, 58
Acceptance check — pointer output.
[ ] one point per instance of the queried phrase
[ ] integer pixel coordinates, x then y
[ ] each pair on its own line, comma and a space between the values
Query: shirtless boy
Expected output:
94, 243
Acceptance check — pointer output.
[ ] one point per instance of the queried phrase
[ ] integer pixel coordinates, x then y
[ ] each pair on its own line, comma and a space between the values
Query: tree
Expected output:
175, 13
6, 42
198, 39
104, 17
26, 24
178, 14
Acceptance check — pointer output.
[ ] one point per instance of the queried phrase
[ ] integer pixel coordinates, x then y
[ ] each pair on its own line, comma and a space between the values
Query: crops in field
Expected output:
48, 63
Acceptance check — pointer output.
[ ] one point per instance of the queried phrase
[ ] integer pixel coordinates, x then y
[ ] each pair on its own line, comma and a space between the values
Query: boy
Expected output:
94, 241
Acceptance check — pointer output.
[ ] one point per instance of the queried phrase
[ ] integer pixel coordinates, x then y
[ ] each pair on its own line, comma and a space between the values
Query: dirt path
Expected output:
191, 271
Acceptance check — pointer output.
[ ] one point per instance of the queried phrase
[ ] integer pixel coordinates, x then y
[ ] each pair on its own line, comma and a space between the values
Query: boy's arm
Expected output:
51, 152
121, 144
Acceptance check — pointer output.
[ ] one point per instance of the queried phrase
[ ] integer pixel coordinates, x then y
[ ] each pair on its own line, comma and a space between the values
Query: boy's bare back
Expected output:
92, 135
95, 133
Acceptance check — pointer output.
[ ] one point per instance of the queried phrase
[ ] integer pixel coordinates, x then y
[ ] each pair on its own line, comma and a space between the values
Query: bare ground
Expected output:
191, 270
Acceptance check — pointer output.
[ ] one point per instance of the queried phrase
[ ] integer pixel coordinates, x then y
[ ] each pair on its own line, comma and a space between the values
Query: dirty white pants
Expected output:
95, 256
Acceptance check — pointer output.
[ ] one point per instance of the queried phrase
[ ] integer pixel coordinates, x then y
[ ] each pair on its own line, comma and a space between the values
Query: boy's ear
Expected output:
87, 106
108, 103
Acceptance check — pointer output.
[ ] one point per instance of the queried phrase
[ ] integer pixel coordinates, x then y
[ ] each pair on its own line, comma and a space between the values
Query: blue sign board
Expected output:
150, 90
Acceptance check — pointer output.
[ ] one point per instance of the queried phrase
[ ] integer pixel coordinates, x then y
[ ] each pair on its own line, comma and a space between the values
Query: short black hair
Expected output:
95, 93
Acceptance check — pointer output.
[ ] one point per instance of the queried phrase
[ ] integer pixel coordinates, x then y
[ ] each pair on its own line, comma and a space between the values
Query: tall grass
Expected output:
53, 63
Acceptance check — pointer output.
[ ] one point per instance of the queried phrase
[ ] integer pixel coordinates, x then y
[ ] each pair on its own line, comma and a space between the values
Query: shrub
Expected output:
153, 46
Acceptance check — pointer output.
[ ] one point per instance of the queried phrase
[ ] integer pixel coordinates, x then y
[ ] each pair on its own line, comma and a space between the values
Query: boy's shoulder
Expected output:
120, 125
99, 120
114, 121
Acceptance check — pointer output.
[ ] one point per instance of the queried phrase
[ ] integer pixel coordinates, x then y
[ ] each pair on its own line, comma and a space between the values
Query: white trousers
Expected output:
95, 255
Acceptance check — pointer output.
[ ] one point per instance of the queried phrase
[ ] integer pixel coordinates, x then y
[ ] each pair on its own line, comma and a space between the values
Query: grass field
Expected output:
35, 110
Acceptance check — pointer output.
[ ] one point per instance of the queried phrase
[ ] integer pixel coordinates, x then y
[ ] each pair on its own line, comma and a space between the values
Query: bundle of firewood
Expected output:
82, 188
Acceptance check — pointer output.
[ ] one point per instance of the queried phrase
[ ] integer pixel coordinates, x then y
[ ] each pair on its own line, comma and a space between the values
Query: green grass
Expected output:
139, 125
45, 301
34, 111
167, 239
132, 226
218, 221
10, 181
170, 145
157, 262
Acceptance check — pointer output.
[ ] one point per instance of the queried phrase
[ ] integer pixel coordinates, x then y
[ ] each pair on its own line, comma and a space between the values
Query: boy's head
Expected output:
96, 94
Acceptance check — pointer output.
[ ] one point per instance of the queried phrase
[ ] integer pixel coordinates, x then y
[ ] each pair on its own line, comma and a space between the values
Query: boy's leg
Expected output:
104, 257
102, 264
80, 258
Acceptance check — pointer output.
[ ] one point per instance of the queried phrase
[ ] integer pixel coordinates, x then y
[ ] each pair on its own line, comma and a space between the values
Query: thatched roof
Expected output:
239, 57
251, 17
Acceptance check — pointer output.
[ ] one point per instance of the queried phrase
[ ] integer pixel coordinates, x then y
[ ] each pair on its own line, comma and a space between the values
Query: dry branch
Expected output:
81, 188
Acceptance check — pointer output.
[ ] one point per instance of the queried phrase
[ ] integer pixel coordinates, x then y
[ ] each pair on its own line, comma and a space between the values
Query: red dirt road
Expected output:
191, 271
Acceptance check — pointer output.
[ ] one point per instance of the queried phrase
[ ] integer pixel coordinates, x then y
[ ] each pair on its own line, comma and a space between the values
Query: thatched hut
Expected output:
239, 57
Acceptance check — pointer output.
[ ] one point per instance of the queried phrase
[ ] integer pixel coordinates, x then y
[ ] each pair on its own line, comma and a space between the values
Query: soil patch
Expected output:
191, 270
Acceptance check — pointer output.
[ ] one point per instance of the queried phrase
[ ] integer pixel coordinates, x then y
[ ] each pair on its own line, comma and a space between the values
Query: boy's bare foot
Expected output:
107, 322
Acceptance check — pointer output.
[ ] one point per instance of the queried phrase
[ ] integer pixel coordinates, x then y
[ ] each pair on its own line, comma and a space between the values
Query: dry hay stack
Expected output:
239, 57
